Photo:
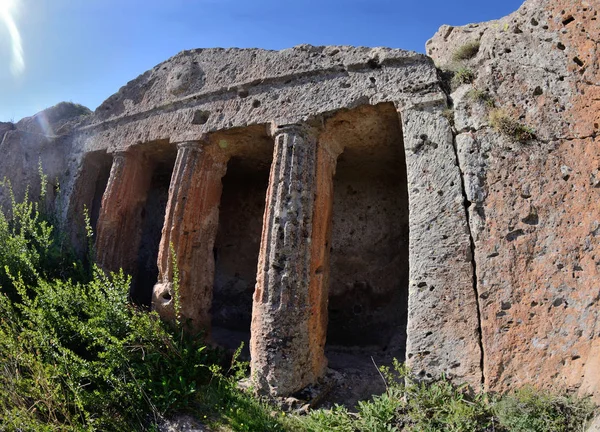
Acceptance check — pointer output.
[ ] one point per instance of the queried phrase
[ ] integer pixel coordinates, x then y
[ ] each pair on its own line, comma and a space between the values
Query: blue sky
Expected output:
85, 50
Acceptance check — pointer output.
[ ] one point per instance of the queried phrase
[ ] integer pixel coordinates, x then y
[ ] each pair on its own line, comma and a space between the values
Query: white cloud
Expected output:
8, 9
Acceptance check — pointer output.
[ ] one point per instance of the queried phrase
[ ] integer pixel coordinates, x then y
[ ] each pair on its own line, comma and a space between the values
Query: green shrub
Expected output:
337, 419
506, 125
407, 405
530, 410
76, 355
466, 51
410, 405
103, 363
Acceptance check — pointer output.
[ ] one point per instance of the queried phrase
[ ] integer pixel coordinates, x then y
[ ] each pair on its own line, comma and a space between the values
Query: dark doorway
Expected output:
368, 293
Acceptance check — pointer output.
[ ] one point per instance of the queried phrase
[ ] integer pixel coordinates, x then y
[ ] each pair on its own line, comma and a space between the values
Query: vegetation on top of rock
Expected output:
466, 51
448, 114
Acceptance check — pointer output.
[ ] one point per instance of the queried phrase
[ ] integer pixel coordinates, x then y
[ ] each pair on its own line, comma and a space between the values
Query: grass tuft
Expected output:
481, 96
462, 75
501, 121
466, 51
448, 114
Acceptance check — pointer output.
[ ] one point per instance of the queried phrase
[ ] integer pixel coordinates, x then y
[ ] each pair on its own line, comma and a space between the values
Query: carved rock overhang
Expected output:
189, 96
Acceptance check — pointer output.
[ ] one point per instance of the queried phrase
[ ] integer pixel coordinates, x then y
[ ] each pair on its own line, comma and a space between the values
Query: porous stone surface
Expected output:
224, 98
41, 140
533, 206
188, 235
388, 230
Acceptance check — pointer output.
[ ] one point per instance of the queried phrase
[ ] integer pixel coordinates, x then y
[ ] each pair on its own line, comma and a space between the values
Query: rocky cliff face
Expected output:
534, 207
475, 254
45, 140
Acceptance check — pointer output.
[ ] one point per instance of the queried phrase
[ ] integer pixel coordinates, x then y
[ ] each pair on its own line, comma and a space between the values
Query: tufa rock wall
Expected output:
373, 220
534, 205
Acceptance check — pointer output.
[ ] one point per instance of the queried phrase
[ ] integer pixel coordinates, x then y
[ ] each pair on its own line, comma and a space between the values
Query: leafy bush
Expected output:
409, 405
506, 125
76, 355
31, 246
466, 51
529, 410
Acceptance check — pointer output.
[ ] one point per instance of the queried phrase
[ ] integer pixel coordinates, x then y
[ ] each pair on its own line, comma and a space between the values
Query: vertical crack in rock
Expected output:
467, 204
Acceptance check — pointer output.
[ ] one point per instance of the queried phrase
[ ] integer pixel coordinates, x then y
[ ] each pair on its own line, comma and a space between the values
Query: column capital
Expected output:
304, 129
194, 145
121, 155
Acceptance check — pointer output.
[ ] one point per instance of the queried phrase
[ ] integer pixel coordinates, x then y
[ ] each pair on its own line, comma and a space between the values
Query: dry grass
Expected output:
501, 121
466, 51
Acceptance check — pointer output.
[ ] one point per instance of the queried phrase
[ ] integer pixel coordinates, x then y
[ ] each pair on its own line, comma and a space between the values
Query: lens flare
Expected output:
8, 9
42, 120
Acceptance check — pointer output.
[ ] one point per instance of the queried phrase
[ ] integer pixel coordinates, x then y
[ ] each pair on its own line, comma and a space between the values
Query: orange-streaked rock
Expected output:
190, 228
281, 346
119, 223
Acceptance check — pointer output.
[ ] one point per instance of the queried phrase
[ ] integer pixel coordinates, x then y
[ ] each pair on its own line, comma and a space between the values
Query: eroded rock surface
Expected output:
44, 140
318, 200
533, 205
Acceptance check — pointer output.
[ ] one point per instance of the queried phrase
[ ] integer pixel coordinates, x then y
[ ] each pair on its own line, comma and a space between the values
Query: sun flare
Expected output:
7, 6
7, 17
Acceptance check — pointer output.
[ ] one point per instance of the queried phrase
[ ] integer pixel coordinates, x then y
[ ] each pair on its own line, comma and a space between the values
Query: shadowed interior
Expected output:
368, 293
161, 159
239, 234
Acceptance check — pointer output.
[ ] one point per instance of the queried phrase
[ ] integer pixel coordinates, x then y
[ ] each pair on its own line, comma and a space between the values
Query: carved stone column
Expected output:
282, 348
119, 227
190, 228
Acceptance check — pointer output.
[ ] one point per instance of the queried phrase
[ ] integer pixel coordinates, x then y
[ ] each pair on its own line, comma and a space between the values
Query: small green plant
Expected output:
225, 403
175, 284
501, 121
466, 51
530, 410
481, 96
462, 75
448, 114
414, 406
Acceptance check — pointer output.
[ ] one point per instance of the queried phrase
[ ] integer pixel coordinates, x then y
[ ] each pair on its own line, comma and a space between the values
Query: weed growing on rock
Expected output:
501, 121
466, 51
462, 75
448, 114
481, 96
